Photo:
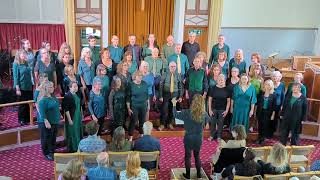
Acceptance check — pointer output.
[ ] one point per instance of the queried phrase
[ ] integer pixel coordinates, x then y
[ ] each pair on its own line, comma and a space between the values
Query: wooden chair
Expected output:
277, 177
117, 160
151, 157
300, 156
89, 159
61, 160
305, 175
261, 153
246, 177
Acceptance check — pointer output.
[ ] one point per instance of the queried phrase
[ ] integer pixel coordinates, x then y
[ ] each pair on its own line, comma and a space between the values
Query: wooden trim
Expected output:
268, 27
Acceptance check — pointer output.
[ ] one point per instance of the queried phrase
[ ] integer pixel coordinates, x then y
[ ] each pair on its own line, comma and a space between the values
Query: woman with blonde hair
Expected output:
65, 58
70, 76
26, 46
266, 105
149, 46
238, 62
133, 170
277, 162
65, 48
22, 83
194, 119
243, 101
86, 69
124, 75
49, 119
73, 171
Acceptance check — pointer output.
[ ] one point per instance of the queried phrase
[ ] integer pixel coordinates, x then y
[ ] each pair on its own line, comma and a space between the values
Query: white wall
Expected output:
32, 11
271, 13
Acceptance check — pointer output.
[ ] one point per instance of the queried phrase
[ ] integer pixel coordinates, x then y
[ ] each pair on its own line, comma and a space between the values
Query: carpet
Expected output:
28, 162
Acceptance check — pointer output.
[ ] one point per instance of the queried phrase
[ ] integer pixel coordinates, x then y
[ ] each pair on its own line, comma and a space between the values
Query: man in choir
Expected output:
218, 47
190, 48
116, 51
196, 80
181, 60
135, 49
95, 51
168, 49
170, 87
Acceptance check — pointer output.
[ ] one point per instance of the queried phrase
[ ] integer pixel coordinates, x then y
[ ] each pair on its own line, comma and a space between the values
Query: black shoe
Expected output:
184, 176
49, 157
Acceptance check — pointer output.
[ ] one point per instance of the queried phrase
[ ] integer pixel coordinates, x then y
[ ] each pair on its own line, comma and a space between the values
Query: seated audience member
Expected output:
119, 142
133, 170
315, 166
147, 143
227, 157
73, 171
249, 167
102, 171
239, 134
277, 162
93, 143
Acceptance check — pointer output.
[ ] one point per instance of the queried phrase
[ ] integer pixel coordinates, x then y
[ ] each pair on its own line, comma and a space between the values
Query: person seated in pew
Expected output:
249, 167
277, 162
72, 171
147, 143
119, 142
133, 169
239, 140
93, 143
102, 171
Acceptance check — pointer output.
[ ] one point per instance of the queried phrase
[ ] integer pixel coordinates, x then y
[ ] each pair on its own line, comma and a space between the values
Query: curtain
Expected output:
11, 33
69, 24
214, 23
141, 17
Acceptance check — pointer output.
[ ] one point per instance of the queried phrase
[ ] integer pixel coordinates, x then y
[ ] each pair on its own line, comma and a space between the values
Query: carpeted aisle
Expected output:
27, 163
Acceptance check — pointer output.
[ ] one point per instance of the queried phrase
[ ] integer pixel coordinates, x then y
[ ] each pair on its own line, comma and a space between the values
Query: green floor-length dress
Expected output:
74, 132
242, 104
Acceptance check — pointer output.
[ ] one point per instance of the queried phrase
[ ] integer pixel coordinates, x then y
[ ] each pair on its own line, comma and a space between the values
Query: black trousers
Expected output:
264, 120
139, 114
23, 110
217, 124
166, 114
273, 124
286, 128
192, 143
48, 138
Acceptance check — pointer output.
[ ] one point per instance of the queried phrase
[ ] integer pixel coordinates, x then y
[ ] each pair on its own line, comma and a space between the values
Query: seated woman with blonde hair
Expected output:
72, 171
133, 170
277, 162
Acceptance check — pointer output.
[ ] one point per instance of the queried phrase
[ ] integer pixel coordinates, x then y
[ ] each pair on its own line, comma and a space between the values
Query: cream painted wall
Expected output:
271, 13
32, 11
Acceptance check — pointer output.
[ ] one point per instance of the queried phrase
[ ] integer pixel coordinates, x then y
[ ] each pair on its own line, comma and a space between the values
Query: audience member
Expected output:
119, 142
147, 143
102, 171
72, 171
277, 162
92, 143
133, 170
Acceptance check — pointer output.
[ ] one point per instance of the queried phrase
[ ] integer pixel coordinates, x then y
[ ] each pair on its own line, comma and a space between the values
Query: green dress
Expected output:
74, 132
242, 105
118, 108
